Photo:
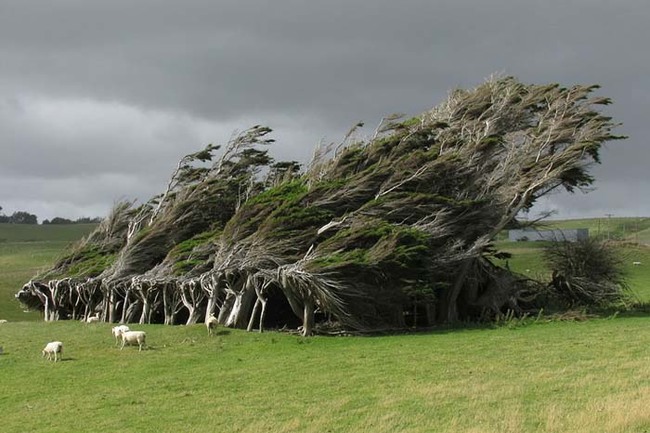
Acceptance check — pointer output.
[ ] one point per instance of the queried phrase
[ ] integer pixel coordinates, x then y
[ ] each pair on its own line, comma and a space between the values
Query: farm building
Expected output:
571, 235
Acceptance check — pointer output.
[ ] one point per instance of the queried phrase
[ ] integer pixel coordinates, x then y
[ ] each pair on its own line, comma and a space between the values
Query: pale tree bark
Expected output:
261, 292
210, 285
171, 300
308, 318
192, 295
53, 306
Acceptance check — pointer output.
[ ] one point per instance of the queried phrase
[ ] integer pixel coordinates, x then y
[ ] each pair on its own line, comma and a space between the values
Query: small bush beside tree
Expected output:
586, 273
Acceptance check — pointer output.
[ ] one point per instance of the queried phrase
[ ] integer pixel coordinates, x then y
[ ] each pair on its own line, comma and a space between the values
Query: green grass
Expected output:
546, 377
608, 228
527, 260
634, 234
10, 233
24, 251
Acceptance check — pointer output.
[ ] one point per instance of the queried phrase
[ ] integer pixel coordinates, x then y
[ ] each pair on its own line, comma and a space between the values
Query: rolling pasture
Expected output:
24, 250
535, 374
630, 235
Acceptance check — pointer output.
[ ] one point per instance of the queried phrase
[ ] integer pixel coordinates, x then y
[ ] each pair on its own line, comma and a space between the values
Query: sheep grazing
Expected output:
92, 319
132, 337
3, 320
54, 348
636, 263
117, 332
211, 323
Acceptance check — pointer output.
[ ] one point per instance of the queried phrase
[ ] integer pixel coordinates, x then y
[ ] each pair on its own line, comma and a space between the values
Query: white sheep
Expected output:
93, 319
636, 263
117, 332
3, 320
211, 323
53, 348
132, 337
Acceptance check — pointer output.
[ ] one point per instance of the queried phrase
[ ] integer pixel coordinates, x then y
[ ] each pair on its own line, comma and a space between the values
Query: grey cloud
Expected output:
352, 58
166, 77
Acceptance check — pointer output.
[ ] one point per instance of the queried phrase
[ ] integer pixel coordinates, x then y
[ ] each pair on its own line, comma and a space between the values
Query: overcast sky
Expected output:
100, 99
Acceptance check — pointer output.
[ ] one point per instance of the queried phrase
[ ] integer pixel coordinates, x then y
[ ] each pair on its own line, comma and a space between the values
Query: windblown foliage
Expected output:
388, 232
586, 273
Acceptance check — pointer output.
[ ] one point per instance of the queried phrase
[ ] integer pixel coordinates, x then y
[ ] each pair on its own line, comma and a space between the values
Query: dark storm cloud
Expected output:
123, 89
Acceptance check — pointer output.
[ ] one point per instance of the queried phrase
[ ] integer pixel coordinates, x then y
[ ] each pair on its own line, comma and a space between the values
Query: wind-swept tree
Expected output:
392, 231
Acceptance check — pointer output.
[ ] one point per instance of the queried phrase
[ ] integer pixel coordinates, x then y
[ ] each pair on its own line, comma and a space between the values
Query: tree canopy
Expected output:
390, 231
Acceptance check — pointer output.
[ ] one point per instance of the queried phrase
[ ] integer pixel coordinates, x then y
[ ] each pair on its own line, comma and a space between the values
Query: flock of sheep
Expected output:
53, 350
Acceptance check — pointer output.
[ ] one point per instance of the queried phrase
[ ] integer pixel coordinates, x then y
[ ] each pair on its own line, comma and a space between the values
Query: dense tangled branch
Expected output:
388, 232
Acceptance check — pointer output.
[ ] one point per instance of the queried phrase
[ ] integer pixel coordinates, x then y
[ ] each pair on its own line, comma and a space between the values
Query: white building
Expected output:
557, 235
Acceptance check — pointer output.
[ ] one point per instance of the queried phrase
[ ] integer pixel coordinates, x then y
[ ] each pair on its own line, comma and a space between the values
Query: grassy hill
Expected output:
24, 250
629, 229
630, 235
52, 233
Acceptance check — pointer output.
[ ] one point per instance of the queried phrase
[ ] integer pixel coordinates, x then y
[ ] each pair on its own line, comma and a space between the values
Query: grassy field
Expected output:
533, 375
560, 377
26, 249
633, 229
31, 233
631, 234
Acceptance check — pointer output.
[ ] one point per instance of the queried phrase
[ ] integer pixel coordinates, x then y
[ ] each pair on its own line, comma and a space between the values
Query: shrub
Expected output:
586, 273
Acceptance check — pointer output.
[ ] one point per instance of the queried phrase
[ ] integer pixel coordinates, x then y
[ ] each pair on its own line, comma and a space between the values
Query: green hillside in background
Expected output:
630, 235
25, 249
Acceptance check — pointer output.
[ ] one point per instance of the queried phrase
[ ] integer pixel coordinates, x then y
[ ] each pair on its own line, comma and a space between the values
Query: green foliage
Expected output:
384, 247
416, 207
193, 252
290, 191
295, 216
89, 262
413, 121
355, 256
186, 247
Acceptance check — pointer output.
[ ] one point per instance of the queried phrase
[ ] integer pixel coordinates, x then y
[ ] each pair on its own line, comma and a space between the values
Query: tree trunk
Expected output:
212, 304
169, 302
241, 305
234, 310
193, 315
262, 315
251, 322
211, 287
111, 305
308, 318
192, 296
449, 311
125, 307
46, 310
226, 307
132, 311
145, 312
